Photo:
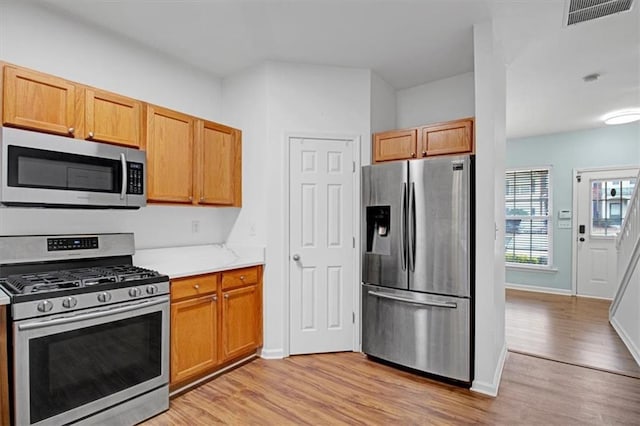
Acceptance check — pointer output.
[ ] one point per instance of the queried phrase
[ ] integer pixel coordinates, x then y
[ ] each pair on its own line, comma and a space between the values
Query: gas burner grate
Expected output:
82, 277
31, 283
127, 272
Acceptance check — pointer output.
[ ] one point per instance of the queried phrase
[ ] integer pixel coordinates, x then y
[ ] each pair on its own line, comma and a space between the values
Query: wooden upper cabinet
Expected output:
38, 101
112, 118
394, 145
170, 155
219, 171
454, 137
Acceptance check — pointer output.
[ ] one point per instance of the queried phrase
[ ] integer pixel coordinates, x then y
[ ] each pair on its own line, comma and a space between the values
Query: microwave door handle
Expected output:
123, 190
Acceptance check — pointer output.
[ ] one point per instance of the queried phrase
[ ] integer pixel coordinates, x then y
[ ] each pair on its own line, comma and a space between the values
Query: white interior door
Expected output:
603, 197
322, 254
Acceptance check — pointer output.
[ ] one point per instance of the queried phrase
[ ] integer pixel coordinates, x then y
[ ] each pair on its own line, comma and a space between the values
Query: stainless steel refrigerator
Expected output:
417, 273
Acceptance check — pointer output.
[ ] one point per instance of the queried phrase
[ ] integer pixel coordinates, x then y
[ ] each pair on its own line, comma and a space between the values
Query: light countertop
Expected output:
4, 298
179, 262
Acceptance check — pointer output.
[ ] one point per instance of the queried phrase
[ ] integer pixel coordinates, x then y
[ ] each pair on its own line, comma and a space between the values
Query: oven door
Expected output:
72, 366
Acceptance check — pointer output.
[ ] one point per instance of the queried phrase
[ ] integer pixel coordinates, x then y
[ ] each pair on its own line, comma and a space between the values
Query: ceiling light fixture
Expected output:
622, 117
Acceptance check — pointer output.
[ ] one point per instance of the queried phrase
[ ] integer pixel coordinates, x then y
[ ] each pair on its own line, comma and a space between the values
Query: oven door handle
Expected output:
91, 315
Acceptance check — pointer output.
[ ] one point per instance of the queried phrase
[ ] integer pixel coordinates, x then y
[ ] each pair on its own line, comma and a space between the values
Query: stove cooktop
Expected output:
75, 278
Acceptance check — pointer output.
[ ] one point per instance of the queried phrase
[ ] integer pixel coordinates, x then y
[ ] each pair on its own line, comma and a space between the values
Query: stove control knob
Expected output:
104, 297
45, 306
152, 289
134, 292
69, 302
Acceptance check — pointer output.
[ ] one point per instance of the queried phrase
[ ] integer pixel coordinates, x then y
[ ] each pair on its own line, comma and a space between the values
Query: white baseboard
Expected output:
537, 289
635, 353
593, 297
491, 389
272, 354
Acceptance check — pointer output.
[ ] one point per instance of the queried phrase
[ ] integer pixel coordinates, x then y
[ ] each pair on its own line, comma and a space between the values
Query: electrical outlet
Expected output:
195, 226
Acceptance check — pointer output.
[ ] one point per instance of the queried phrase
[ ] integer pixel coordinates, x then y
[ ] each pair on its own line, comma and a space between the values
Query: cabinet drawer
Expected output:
182, 288
239, 277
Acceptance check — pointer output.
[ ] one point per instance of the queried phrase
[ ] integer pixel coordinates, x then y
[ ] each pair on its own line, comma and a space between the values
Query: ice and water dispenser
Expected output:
378, 229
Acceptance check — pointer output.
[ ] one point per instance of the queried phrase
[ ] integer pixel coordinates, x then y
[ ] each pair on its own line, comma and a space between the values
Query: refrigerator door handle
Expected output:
412, 228
450, 305
403, 215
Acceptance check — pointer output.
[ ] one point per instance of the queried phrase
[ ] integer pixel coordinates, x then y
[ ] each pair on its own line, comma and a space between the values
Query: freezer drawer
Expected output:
421, 331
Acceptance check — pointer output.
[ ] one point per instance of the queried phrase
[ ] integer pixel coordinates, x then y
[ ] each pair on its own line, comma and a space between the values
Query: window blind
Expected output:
527, 207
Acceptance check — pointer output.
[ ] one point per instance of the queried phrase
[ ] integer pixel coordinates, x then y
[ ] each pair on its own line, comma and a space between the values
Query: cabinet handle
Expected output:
424, 153
196, 286
190, 198
226, 296
215, 298
201, 199
90, 135
413, 155
71, 130
241, 277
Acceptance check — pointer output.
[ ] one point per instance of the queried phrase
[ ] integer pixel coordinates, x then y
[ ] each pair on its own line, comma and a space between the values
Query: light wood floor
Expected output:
347, 388
575, 330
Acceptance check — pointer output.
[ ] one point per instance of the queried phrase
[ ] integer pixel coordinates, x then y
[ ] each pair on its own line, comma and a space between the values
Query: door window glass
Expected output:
609, 202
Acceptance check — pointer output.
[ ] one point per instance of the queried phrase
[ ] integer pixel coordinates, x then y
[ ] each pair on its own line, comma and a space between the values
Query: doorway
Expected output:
600, 202
323, 272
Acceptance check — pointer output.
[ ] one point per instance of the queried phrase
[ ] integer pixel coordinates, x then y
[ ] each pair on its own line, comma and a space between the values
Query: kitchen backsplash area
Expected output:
153, 226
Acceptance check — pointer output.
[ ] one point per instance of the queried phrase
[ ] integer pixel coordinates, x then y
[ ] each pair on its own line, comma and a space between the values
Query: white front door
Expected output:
602, 203
322, 255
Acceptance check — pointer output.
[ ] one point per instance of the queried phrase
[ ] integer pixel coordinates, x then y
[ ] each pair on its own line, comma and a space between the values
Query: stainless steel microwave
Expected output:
43, 170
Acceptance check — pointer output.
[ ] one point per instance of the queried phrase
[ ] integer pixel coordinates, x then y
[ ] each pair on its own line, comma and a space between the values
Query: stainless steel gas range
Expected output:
90, 331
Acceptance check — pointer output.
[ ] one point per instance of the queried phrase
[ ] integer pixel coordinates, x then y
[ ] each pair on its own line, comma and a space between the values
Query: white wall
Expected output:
490, 111
442, 100
37, 38
383, 105
245, 107
302, 99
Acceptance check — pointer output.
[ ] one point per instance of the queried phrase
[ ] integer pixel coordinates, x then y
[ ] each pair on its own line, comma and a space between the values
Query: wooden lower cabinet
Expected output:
4, 369
216, 319
194, 337
240, 310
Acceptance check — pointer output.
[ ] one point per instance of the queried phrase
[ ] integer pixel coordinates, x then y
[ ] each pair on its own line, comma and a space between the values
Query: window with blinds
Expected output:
528, 224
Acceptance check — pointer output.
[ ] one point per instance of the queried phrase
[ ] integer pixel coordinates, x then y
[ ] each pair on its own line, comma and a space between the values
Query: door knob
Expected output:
581, 239
296, 257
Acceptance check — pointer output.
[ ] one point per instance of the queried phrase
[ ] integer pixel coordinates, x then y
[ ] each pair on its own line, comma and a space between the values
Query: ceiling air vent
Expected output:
586, 10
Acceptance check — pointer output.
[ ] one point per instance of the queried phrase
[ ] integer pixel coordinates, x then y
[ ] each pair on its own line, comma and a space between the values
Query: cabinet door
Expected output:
37, 101
394, 145
194, 337
112, 118
4, 373
454, 137
240, 321
169, 145
220, 168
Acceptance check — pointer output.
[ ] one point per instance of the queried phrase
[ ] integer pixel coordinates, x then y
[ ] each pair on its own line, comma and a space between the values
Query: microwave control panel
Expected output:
135, 178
